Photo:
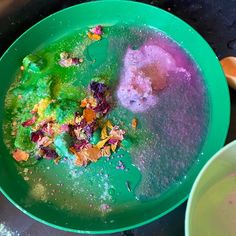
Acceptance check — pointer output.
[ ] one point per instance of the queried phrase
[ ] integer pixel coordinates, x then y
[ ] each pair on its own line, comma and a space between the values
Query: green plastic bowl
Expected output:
211, 208
108, 13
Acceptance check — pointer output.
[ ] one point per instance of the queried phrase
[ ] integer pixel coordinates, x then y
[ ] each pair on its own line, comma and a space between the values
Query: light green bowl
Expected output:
211, 209
109, 13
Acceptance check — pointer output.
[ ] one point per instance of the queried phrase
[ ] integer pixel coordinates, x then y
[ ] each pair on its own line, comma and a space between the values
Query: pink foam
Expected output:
145, 73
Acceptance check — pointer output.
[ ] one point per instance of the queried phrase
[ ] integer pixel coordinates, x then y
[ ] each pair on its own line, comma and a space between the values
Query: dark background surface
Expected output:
215, 20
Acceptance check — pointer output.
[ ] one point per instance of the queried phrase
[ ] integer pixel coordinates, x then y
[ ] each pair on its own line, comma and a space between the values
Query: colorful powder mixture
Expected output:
79, 131
85, 133
101, 105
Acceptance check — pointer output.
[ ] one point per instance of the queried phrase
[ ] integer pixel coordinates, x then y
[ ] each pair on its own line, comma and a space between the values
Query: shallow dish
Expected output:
111, 13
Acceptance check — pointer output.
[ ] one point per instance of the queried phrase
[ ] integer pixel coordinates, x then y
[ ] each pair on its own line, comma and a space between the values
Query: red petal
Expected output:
113, 141
36, 136
29, 122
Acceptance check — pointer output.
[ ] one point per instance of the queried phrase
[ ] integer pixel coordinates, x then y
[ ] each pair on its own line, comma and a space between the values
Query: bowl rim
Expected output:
197, 181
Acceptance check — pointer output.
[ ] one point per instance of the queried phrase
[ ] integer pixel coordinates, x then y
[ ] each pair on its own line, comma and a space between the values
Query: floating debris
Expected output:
95, 33
67, 60
20, 155
134, 123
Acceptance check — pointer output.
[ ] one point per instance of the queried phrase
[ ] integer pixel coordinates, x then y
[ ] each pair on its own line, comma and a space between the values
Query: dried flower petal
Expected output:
94, 37
56, 160
65, 128
64, 55
109, 124
103, 107
43, 141
92, 102
101, 143
84, 103
49, 153
80, 144
81, 159
29, 122
113, 141
75, 61
77, 132
113, 147
45, 121
67, 60
98, 89
134, 123
89, 129
97, 30
78, 119
104, 132
36, 136
20, 155
89, 102
117, 133
106, 151
93, 153
89, 115
48, 128
47, 143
